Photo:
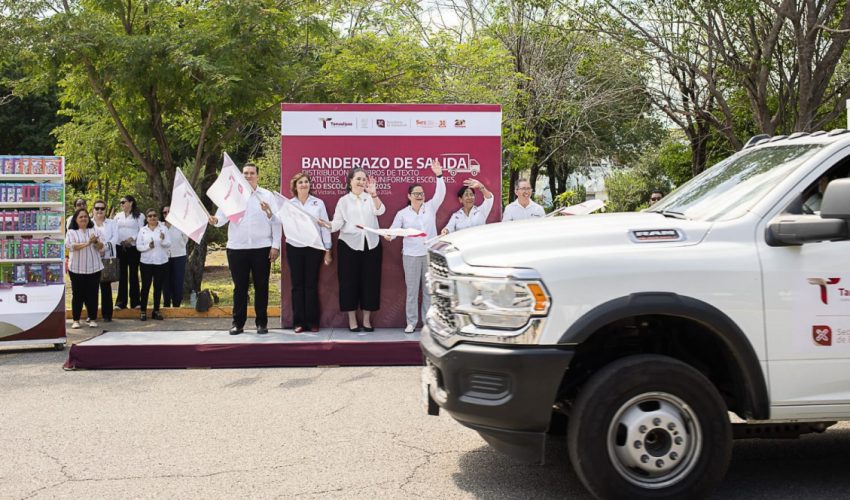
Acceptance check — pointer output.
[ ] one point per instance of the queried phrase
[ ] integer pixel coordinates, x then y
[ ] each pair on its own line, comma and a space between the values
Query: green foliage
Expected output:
570, 197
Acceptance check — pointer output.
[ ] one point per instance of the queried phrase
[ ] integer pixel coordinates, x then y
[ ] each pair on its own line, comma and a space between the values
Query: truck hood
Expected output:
519, 243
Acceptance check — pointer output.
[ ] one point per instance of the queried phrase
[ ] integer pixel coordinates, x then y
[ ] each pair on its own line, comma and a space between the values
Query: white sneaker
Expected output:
409, 329
92, 324
75, 324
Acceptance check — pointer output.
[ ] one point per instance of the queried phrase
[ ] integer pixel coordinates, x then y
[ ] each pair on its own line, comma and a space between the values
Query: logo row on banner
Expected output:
377, 123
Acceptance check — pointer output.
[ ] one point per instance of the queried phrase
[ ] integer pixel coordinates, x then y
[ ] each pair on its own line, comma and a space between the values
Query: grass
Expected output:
216, 279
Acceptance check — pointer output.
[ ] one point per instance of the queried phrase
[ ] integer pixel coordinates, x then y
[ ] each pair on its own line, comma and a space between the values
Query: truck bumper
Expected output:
505, 393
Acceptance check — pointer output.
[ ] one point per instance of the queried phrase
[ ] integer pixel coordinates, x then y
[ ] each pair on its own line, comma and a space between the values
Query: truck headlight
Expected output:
501, 303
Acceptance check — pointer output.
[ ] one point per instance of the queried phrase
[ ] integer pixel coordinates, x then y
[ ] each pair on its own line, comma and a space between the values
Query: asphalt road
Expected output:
301, 432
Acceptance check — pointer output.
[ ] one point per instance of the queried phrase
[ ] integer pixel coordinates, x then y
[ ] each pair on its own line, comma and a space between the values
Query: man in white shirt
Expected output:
253, 244
522, 207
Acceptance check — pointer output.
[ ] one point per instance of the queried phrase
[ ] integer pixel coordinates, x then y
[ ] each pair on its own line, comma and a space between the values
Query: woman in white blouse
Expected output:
152, 243
304, 261
109, 237
421, 215
172, 289
84, 266
128, 222
469, 215
359, 251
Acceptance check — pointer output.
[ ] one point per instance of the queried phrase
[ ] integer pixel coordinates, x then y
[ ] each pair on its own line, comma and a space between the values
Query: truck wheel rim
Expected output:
654, 440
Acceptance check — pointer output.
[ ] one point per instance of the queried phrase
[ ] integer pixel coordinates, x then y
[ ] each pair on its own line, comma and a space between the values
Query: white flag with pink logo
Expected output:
230, 192
298, 226
187, 212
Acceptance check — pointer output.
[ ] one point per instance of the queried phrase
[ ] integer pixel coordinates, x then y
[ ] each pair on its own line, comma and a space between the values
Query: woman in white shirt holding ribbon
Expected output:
359, 252
153, 243
469, 215
420, 215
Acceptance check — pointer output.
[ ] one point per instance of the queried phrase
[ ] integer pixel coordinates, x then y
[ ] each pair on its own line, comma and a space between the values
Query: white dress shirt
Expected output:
353, 210
108, 236
515, 211
316, 208
425, 220
255, 229
178, 242
86, 260
159, 253
477, 216
128, 226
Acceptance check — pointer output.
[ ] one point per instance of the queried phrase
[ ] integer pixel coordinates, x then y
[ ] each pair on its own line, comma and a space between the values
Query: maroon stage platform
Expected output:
218, 349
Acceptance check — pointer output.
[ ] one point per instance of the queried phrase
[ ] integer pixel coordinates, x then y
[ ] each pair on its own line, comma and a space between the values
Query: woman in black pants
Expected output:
84, 266
304, 261
109, 237
128, 222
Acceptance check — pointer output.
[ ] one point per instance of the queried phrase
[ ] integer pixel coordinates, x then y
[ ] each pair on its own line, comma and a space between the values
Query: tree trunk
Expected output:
198, 257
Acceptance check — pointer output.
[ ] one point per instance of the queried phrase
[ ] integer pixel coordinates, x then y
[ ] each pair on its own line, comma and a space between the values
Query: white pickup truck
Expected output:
643, 331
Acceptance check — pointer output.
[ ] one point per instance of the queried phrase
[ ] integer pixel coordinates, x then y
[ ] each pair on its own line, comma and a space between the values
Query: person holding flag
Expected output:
253, 239
304, 260
359, 252
422, 216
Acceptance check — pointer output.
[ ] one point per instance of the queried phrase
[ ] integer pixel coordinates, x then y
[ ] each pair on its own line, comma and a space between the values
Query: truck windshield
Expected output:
731, 188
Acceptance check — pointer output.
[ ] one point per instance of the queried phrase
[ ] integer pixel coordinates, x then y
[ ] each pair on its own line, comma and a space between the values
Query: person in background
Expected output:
523, 207
128, 222
655, 197
109, 237
78, 204
172, 289
304, 261
421, 215
84, 266
359, 252
152, 243
470, 215
253, 243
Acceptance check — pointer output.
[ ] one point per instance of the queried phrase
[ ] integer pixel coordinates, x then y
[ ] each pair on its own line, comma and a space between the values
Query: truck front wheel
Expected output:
649, 426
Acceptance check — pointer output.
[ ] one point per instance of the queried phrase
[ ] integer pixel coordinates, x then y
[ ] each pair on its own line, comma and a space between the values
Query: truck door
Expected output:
807, 317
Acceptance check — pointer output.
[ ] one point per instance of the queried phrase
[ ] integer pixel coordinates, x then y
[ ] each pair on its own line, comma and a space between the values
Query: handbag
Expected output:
110, 269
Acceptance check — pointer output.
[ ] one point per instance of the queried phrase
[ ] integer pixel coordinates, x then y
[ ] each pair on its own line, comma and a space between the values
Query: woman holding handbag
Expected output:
109, 237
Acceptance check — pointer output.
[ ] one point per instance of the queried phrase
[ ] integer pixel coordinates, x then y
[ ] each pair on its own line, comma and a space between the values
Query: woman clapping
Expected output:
152, 243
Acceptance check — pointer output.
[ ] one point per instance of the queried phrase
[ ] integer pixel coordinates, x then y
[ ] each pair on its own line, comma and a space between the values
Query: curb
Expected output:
185, 312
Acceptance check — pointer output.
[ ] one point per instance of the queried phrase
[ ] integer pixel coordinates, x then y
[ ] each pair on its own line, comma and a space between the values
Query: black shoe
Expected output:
107, 320
355, 330
235, 330
157, 315
368, 329
143, 316
262, 330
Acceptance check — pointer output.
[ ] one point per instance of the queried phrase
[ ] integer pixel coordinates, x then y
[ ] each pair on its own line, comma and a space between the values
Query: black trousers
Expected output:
172, 290
128, 265
155, 273
359, 278
84, 291
106, 300
304, 266
254, 262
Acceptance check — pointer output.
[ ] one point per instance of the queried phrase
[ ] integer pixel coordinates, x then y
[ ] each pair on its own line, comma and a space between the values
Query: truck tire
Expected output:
649, 426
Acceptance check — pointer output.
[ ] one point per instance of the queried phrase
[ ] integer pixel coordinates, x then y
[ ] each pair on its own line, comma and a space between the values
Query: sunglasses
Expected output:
152, 216
100, 208
655, 198
123, 201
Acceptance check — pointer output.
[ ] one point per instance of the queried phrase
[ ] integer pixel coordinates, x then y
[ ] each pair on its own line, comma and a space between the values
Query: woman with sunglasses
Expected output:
421, 215
152, 243
128, 222
109, 237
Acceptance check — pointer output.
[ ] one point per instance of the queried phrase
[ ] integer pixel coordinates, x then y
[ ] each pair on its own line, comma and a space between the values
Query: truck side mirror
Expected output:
836, 200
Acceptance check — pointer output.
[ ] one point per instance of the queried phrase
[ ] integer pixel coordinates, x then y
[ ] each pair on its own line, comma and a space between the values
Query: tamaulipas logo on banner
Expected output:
187, 212
230, 192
